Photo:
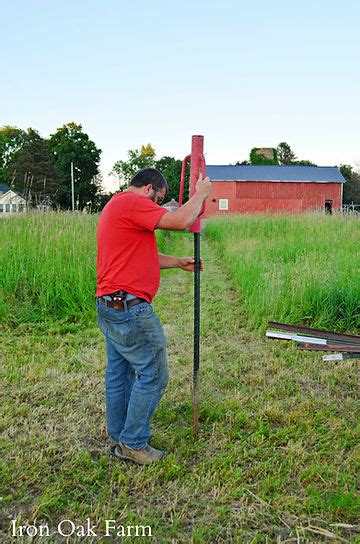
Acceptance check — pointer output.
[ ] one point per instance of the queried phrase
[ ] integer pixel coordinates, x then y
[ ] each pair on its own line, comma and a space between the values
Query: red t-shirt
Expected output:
127, 257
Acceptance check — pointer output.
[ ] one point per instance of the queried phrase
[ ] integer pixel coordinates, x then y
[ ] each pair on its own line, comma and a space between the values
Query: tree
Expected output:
69, 144
103, 199
257, 156
171, 169
32, 170
11, 141
351, 194
304, 163
137, 160
145, 158
285, 154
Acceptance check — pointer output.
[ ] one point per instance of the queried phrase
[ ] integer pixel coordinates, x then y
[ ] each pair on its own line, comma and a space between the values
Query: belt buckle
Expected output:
119, 302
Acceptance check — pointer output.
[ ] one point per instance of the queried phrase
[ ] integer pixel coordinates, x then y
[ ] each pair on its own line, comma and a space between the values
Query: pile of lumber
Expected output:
347, 346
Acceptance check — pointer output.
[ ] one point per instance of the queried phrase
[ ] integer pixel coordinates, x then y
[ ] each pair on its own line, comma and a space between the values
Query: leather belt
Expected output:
120, 304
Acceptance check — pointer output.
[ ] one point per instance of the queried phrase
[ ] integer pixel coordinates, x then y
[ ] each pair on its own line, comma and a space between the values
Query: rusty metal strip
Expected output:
330, 347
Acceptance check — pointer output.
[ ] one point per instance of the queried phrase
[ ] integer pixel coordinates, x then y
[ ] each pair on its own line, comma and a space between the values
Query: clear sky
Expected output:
244, 74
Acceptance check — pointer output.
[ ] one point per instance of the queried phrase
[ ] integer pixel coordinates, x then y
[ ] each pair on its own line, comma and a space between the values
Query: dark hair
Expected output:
151, 176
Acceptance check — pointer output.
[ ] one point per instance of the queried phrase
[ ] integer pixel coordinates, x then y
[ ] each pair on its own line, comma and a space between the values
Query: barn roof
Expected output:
249, 172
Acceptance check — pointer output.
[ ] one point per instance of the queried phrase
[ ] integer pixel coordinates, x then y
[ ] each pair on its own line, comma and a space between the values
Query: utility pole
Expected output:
72, 187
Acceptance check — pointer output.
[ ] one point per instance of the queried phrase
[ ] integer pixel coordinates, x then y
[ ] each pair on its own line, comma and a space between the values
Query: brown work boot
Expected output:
145, 456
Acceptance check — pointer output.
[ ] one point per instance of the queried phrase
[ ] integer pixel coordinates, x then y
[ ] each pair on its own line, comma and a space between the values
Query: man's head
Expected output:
151, 183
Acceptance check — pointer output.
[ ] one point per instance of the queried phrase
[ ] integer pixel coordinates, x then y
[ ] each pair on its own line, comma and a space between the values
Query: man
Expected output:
128, 270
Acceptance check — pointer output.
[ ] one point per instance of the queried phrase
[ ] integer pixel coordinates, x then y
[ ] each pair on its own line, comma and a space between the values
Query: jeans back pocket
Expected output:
115, 325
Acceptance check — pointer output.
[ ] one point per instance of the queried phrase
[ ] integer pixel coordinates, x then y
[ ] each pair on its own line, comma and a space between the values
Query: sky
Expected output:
243, 74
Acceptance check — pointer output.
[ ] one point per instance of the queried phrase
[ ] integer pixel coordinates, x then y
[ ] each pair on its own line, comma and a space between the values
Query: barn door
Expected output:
328, 206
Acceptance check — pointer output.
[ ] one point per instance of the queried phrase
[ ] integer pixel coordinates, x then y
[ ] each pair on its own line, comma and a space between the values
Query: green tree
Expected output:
287, 156
351, 194
70, 144
32, 170
145, 158
103, 199
137, 160
304, 163
11, 141
171, 169
285, 153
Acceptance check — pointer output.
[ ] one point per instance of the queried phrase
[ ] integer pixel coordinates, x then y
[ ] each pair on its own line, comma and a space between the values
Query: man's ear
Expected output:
148, 187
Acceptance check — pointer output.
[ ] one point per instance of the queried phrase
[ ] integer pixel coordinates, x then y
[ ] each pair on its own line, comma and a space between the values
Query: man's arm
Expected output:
185, 263
186, 215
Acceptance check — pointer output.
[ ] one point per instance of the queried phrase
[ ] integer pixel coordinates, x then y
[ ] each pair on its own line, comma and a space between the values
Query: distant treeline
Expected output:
40, 168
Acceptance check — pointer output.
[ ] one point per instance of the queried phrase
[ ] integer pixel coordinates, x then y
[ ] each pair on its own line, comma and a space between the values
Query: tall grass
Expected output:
303, 269
48, 266
299, 269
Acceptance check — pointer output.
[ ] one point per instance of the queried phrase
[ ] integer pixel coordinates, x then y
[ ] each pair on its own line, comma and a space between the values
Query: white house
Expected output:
10, 202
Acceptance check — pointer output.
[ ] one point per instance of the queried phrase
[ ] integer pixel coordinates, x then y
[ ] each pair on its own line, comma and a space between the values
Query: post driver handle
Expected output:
182, 179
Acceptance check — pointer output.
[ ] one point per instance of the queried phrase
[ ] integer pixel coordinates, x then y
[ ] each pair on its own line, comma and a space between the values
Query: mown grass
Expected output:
298, 269
276, 460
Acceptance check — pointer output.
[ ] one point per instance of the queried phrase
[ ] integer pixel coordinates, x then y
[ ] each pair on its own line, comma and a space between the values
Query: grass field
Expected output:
276, 460
300, 269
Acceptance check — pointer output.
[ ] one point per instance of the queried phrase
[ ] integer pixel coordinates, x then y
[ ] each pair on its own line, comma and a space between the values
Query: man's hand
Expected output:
185, 263
203, 186
188, 264
187, 214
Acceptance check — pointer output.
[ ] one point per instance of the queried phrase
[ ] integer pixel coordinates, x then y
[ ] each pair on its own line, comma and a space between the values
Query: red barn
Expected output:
251, 189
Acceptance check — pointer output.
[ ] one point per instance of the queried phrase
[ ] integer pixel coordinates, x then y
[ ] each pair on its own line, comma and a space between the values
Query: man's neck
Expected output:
136, 190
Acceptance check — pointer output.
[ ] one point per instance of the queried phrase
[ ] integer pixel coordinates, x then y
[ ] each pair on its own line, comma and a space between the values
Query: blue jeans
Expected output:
136, 372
